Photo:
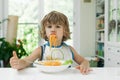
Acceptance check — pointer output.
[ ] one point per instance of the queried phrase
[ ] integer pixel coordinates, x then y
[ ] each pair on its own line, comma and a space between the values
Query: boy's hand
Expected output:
14, 61
84, 67
84, 70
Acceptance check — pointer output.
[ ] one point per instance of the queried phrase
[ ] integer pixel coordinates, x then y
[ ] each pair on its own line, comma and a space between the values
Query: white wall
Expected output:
86, 28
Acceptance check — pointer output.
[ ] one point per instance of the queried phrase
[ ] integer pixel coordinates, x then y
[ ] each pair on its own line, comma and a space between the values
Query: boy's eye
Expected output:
49, 26
57, 26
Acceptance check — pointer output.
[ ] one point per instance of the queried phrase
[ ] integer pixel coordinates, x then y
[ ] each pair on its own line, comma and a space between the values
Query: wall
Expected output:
86, 36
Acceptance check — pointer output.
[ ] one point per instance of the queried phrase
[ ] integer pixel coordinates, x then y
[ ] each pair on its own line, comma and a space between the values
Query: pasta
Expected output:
52, 63
53, 40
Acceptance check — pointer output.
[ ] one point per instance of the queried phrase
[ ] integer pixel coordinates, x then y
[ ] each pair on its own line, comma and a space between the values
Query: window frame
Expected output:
3, 15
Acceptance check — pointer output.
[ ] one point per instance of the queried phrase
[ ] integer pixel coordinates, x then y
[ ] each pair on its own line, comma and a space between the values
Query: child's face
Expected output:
54, 29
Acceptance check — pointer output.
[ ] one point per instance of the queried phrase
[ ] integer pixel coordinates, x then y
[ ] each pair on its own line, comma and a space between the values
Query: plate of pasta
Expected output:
53, 65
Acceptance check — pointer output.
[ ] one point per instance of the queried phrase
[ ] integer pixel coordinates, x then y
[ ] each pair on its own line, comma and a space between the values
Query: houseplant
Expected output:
6, 50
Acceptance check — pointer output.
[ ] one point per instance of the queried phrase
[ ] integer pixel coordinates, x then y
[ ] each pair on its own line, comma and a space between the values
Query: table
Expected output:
69, 74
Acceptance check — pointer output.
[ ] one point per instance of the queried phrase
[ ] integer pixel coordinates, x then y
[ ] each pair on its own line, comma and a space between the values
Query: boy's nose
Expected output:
53, 29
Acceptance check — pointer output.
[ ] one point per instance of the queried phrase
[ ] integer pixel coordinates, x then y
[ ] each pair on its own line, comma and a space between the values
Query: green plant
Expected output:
6, 50
29, 35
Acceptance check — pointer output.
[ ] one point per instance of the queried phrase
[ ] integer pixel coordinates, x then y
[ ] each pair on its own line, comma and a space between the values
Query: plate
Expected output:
52, 69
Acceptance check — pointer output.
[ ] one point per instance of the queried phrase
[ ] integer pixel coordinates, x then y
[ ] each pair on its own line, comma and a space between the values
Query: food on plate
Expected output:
52, 66
53, 40
67, 62
51, 63
55, 62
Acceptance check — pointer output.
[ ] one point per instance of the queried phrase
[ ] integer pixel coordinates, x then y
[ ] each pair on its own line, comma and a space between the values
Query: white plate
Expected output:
52, 68
44, 68
64, 65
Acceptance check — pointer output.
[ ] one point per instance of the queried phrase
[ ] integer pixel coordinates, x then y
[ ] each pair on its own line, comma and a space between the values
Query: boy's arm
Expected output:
23, 63
79, 59
83, 63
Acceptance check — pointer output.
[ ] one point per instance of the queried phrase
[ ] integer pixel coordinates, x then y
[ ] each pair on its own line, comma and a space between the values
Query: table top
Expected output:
69, 74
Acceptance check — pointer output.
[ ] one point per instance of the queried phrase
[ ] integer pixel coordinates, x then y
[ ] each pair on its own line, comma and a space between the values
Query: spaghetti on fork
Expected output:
53, 40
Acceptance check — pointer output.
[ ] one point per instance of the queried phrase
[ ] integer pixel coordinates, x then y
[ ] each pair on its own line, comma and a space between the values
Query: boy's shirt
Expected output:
62, 52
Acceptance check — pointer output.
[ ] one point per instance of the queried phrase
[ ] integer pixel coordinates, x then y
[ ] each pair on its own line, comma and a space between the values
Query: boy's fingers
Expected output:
14, 54
77, 67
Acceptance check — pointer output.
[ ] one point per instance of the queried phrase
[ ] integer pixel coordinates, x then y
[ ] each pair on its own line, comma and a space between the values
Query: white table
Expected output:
69, 74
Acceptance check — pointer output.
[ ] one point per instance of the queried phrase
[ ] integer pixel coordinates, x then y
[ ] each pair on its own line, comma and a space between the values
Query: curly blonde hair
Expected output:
55, 17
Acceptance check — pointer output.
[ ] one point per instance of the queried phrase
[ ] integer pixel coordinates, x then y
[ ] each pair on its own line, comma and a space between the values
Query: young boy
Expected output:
56, 24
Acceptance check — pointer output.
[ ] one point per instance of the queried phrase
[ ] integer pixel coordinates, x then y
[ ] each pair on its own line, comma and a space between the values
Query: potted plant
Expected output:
6, 50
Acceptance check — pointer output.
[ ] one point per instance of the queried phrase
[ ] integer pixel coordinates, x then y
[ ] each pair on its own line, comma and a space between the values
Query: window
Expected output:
64, 6
30, 12
27, 10
3, 18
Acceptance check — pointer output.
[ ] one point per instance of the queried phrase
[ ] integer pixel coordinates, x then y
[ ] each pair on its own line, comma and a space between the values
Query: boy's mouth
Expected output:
53, 33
